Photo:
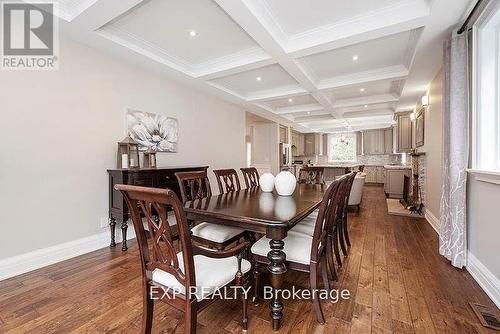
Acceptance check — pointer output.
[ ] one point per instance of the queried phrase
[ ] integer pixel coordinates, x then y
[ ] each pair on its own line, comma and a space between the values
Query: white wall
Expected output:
59, 131
433, 144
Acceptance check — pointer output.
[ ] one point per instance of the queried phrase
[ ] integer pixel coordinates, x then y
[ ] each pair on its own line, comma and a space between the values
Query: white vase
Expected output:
266, 182
285, 183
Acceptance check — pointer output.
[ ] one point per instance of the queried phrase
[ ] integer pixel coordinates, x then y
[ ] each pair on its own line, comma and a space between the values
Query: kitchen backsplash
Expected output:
377, 160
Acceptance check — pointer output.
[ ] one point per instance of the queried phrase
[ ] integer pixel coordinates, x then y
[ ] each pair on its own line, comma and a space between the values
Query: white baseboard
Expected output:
433, 221
485, 278
24, 263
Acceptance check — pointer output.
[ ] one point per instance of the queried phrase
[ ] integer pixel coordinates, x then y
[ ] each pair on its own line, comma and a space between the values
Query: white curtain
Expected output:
452, 229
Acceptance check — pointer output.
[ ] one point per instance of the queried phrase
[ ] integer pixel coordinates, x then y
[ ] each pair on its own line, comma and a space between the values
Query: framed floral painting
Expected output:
153, 130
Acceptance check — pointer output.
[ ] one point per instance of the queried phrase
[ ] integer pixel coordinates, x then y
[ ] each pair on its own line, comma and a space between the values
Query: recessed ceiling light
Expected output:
192, 33
290, 100
366, 106
309, 113
361, 89
258, 78
355, 57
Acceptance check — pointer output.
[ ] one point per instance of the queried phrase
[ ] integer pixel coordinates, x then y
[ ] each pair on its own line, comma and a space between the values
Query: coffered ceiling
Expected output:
319, 65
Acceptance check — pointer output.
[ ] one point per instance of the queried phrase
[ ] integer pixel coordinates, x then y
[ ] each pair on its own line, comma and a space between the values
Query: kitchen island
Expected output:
332, 171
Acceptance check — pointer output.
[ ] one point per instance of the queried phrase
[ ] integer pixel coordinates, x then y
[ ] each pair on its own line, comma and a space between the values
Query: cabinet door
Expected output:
404, 133
380, 147
309, 144
359, 143
388, 141
380, 175
300, 145
367, 143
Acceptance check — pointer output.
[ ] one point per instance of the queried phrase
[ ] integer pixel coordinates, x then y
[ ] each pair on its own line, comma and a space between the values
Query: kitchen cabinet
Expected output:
374, 142
298, 143
388, 145
375, 174
394, 182
404, 128
359, 143
313, 144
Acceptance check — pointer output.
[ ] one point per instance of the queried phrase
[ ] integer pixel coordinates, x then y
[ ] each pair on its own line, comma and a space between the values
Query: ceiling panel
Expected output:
168, 24
291, 101
258, 80
366, 89
374, 54
291, 19
368, 107
306, 114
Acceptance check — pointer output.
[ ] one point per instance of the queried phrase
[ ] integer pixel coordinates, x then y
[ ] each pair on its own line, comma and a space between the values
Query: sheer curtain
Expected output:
452, 229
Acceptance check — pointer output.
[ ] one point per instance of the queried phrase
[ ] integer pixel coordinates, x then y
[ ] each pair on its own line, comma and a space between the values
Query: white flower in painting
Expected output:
156, 131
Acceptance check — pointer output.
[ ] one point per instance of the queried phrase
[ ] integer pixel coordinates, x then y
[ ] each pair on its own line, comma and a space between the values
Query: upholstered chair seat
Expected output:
211, 274
216, 233
297, 247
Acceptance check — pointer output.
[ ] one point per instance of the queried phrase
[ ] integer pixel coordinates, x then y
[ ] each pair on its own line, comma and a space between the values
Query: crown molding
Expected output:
411, 48
230, 64
395, 72
372, 99
68, 10
272, 94
299, 108
368, 113
314, 118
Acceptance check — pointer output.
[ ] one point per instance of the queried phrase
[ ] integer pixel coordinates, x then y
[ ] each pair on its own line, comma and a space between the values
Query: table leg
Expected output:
277, 269
112, 224
124, 235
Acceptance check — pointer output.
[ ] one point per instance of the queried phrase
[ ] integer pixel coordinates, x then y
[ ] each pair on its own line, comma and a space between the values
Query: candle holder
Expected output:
128, 153
149, 158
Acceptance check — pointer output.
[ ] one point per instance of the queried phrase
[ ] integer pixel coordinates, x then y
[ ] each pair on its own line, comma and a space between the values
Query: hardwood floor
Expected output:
397, 280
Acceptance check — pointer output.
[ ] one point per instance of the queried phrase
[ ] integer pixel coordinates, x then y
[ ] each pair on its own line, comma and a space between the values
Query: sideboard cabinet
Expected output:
156, 178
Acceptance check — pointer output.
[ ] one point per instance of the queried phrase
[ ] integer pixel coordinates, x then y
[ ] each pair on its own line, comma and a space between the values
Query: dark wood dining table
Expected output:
261, 212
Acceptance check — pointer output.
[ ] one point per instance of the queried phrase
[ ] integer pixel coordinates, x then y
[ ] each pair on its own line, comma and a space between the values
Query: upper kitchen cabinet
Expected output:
374, 142
314, 144
377, 142
404, 132
388, 144
297, 144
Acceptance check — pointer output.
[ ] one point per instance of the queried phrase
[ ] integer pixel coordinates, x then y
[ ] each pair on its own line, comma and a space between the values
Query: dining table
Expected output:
262, 212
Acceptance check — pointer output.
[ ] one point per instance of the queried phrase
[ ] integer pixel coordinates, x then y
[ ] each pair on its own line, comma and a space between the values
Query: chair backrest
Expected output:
193, 185
326, 215
345, 193
251, 176
311, 175
361, 168
157, 251
227, 180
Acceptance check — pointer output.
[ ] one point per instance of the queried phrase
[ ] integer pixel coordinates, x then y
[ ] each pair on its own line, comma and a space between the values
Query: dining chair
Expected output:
306, 227
311, 175
251, 176
194, 186
305, 253
187, 280
343, 228
227, 180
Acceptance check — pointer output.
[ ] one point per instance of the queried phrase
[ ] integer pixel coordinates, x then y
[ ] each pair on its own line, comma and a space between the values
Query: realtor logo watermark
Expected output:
30, 39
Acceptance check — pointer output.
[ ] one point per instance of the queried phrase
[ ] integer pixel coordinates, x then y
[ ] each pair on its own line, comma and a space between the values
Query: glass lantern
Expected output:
149, 160
128, 153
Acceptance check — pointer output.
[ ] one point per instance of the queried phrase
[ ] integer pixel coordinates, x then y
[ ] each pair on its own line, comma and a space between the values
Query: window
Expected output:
342, 147
486, 90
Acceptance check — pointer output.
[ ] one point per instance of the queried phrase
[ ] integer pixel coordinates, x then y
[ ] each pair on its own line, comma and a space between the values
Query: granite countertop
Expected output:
347, 165
397, 167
